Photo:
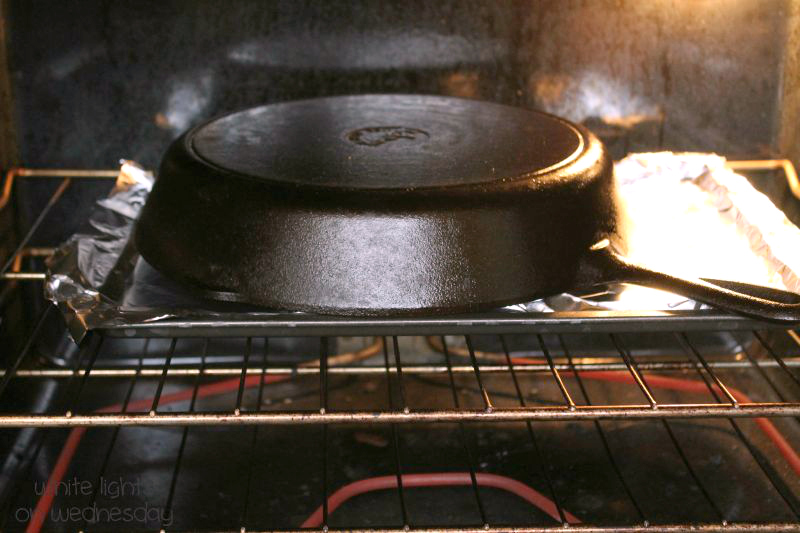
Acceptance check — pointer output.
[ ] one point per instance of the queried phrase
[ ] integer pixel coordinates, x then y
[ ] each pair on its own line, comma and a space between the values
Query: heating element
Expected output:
595, 421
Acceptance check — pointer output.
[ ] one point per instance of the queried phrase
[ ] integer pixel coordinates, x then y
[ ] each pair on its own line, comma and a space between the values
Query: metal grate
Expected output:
726, 402
594, 422
460, 385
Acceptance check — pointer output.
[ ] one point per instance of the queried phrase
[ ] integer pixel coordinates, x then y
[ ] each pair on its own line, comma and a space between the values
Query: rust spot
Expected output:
378, 135
549, 89
161, 121
461, 84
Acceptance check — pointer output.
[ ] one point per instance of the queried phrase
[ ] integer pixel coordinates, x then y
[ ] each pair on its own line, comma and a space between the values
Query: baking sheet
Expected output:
686, 214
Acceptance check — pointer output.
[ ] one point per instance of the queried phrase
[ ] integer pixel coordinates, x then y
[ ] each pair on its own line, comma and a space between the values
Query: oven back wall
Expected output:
94, 81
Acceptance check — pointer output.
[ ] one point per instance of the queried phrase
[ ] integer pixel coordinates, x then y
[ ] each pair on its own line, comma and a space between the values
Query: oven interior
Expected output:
610, 421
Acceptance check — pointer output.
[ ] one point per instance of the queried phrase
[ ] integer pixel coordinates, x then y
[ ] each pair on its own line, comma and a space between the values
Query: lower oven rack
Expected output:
385, 386
175, 392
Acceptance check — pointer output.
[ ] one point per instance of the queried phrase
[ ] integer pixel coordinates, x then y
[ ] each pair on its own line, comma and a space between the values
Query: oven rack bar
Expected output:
494, 322
786, 165
20, 172
495, 415
204, 370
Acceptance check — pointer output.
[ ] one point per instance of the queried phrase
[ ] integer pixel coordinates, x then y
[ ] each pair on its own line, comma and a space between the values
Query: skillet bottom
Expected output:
491, 206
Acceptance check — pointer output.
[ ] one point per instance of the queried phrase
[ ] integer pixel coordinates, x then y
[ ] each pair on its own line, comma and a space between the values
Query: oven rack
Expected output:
66, 177
726, 403
770, 357
758, 357
289, 324
10, 270
297, 323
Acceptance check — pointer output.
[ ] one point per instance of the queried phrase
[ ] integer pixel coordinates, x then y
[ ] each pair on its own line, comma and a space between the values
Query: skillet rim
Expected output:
535, 180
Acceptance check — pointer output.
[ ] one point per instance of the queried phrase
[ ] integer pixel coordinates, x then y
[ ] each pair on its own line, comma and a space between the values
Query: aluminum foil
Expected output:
686, 214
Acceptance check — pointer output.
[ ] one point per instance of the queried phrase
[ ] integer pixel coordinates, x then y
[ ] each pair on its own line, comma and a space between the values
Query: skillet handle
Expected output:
751, 300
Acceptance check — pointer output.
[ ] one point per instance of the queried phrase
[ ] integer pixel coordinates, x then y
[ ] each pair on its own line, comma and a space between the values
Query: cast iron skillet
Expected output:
399, 204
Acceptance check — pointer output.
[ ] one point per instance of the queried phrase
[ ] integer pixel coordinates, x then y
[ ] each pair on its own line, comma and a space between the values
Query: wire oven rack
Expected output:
423, 399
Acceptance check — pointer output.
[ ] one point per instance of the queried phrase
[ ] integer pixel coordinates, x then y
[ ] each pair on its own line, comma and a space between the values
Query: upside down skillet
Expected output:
399, 204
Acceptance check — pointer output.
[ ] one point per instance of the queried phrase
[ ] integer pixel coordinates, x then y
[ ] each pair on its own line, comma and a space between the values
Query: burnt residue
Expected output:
380, 135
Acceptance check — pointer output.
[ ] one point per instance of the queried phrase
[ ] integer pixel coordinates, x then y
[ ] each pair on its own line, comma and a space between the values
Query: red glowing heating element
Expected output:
408, 480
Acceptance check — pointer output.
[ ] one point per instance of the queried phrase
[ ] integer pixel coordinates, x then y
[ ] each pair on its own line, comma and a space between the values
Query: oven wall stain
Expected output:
703, 75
